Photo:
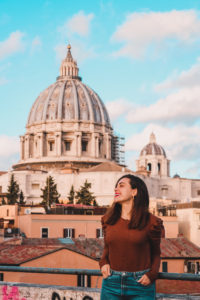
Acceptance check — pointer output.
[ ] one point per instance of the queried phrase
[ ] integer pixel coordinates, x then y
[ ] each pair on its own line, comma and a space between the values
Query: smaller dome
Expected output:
152, 148
176, 176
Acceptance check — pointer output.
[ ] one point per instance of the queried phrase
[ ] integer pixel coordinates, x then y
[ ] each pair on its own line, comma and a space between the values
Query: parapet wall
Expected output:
22, 291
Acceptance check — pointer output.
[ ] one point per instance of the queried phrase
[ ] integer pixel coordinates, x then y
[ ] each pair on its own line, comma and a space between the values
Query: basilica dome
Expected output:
68, 99
68, 124
152, 148
153, 160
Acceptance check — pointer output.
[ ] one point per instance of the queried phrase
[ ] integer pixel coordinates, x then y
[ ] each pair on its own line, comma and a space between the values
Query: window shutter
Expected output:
73, 232
89, 281
97, 233
64, 232
79, 280
164, 266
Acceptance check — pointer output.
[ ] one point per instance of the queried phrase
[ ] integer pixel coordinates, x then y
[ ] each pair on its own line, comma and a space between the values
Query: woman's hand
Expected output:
105, 270
144, 280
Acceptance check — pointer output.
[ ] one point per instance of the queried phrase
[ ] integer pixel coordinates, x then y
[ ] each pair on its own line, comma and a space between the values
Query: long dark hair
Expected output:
140, 207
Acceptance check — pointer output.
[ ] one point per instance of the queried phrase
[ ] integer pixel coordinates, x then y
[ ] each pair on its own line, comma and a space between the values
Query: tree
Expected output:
13, 191
71, 195
21, 198
50, 194
3, 201
84, 196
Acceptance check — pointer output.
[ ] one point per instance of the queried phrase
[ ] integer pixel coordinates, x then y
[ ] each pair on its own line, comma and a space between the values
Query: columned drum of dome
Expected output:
68, 123
153, 159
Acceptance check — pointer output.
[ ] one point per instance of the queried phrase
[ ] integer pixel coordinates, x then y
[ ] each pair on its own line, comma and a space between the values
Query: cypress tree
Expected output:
50, 194
21, 198
84, 196
71, 195
13, 191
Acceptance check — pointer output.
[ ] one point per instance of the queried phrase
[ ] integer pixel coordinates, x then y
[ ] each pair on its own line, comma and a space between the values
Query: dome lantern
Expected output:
69, 68
152, 138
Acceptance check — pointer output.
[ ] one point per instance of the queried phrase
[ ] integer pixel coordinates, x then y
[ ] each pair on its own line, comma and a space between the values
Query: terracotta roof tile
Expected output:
179, 247
34, 248
106, 166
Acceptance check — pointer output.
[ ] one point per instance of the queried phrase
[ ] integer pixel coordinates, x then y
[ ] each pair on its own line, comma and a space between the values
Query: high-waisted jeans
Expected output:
125, 286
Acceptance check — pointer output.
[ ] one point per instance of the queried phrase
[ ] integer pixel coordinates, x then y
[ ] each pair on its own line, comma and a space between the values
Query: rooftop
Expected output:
15, 254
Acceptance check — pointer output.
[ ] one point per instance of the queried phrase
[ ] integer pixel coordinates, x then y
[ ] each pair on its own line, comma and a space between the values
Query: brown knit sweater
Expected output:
133, 250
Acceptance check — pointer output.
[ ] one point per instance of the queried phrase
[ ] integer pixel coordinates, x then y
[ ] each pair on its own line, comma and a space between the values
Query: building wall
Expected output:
171, 226
8, 211
189, 223
60, 259
85, 225
103, 183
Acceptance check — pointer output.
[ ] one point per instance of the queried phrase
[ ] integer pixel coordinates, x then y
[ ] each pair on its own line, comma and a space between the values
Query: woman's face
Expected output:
124, 191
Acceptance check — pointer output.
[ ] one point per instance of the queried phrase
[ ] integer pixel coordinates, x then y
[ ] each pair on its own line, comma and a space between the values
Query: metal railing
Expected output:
161, 275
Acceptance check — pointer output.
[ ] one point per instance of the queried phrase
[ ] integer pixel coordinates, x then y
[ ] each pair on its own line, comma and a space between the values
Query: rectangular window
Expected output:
198, 192
51, 146
99, 233
198, 267
0, 189
164, 266
35, 186
193, 268
189, 267
84, 280
1, 277
100, 146
68, 232
45, 233
67, 146
84, 145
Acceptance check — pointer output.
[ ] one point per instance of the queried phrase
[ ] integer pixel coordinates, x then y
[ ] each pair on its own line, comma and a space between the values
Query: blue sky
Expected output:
141, 57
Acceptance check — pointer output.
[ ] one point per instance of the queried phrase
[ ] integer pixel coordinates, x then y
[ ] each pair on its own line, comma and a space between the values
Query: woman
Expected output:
131, 257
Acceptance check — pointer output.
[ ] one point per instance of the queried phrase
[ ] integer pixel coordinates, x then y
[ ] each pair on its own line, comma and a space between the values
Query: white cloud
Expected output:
193, 171
9, 151
183, 105
118, 108
187, 78
180, 142
143, 30
79, 24
36, 44
12, 44
9, 145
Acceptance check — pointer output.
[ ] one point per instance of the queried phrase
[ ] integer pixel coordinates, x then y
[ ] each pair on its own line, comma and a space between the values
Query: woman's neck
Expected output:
126, 210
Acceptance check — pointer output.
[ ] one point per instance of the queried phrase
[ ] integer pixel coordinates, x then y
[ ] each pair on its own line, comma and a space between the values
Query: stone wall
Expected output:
20, 291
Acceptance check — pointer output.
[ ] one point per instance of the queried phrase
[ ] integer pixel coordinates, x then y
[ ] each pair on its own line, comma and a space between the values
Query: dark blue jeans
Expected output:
125, 286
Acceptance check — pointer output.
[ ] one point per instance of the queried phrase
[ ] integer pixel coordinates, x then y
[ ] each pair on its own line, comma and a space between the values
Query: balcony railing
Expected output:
56, 292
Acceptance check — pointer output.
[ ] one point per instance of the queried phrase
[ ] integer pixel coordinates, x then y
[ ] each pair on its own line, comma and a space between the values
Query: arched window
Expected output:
149, 167
158, 167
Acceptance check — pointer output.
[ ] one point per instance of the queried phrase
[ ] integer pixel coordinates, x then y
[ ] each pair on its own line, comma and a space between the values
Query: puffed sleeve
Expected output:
104, 258
155, 233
